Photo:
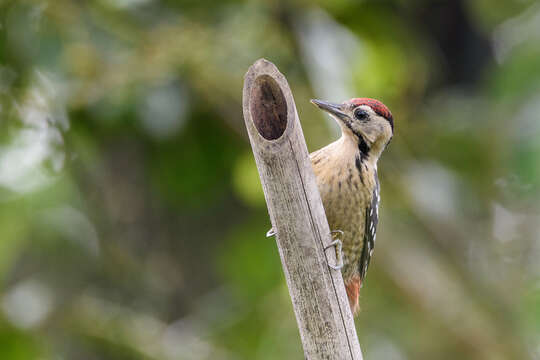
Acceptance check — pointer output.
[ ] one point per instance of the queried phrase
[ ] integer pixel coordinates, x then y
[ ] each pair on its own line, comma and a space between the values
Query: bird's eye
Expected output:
360, 114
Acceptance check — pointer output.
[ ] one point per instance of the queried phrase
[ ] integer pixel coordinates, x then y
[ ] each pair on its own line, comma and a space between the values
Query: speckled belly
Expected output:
345, 201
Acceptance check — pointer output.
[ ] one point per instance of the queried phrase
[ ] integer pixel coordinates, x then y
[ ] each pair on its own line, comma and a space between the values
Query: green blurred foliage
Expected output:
132, 217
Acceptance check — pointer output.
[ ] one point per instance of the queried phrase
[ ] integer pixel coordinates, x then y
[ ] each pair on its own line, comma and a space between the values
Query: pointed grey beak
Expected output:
331, 108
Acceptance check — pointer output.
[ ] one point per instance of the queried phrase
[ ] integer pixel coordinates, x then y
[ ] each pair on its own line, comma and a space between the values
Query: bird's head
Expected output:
367, 121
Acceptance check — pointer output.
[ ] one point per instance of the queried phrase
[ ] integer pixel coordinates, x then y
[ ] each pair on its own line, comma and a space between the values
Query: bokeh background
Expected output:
132, 221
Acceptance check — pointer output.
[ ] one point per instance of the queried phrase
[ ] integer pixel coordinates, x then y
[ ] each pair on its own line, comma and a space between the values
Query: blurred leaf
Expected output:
246, 181
16, 345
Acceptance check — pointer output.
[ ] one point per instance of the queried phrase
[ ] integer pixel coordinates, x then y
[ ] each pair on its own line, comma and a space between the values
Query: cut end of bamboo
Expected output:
268, 106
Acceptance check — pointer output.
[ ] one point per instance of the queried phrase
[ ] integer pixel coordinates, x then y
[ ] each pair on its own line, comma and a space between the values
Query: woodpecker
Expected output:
346, 172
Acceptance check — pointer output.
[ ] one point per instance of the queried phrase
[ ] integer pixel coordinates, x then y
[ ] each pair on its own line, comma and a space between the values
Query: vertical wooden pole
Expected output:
317, 292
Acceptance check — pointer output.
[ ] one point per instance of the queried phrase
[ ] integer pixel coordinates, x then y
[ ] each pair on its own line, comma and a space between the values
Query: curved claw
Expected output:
339, 245
270, 233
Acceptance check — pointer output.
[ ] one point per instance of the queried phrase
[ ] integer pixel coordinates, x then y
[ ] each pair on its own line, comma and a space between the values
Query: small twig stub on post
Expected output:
317, 292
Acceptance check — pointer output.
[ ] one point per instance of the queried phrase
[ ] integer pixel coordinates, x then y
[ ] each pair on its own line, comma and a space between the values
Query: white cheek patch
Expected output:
371, 132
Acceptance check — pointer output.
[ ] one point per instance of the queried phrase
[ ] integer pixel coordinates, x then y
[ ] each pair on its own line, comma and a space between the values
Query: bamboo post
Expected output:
317, 292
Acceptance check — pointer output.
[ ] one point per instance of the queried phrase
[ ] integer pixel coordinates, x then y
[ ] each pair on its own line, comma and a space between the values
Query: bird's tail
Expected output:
353, 293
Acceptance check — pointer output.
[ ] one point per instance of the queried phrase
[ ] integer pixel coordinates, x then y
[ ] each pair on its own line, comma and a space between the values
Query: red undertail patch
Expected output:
353, 292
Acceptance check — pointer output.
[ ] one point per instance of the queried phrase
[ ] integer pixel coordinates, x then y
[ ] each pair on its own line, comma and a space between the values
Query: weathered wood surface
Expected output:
318, 295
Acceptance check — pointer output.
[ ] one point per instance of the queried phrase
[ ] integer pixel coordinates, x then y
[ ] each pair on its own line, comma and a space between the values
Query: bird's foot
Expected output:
270, 233
338, 245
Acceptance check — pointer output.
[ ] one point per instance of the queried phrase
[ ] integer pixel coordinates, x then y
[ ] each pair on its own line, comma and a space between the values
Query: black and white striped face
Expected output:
367, 120
374, 128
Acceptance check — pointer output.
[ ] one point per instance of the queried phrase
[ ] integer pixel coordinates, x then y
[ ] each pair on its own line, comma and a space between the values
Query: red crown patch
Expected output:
377, 106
